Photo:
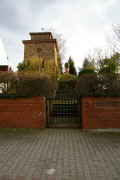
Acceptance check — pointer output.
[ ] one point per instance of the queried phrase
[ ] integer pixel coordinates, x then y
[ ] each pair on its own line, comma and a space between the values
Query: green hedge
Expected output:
67, 81
93, 84
28, 84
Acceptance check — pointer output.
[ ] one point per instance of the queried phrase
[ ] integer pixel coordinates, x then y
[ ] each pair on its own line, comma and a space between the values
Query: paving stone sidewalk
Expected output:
59, 154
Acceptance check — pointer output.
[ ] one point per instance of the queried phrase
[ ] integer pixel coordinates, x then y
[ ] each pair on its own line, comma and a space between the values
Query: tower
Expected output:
41, 44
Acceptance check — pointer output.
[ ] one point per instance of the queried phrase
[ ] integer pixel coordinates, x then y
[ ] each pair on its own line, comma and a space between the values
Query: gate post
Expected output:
47, 112
80, 108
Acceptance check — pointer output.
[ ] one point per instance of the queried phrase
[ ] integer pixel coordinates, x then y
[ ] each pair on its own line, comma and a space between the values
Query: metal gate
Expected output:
63, 111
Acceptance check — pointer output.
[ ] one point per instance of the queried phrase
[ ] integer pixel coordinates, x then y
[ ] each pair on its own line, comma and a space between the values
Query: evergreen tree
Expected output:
87, 64
87, 68
72, 69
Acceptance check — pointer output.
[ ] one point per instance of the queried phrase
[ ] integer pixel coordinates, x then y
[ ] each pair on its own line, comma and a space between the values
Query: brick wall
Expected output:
101, 112
23, 113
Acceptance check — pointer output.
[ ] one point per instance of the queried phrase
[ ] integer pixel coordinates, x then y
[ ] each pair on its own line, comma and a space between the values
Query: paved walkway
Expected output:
59, 154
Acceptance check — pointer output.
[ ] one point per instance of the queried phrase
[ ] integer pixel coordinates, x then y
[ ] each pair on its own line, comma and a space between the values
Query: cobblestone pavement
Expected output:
59, 154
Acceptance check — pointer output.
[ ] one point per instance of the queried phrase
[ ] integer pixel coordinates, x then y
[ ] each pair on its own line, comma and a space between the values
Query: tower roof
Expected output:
43, 35
40, 33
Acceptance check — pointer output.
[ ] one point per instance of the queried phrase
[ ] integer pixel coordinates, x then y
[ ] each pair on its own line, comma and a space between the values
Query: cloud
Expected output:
84, 24
10, 18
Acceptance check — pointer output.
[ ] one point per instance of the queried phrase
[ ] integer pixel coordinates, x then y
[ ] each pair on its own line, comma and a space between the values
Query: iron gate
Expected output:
63, 111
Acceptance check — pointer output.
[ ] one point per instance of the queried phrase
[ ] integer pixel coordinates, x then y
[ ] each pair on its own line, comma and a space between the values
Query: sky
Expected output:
84, 24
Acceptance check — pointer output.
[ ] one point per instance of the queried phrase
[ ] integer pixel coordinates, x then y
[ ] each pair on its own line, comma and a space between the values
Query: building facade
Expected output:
43, 45
3, 57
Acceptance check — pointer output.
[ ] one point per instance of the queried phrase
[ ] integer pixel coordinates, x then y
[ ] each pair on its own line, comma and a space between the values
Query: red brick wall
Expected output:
101, 112
23, 113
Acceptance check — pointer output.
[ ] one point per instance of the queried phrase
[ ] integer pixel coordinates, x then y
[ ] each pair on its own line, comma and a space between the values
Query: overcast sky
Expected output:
85, 24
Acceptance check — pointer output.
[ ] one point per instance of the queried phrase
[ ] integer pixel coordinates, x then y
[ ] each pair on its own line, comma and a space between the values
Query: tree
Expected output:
21, 66
116, 57
88, 64
37, 64
115, 42
113, 39
72, 69
25, 66
109, 65
88, 67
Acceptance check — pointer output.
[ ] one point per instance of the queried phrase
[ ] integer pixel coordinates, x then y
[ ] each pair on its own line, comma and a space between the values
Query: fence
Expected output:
98, 112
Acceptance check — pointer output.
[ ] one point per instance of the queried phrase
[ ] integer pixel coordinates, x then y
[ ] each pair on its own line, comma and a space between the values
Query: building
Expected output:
3, 65
3, 57
42, 44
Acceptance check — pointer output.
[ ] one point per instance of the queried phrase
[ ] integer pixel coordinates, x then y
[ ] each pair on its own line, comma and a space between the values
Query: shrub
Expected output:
37, 64
93, 84
67, 81
87, 84
29, 84
85, 71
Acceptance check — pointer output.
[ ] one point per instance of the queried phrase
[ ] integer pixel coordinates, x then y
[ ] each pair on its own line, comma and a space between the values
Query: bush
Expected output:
29, 84
93, 84
85, 71
37, 64
87, 84
67, 81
